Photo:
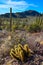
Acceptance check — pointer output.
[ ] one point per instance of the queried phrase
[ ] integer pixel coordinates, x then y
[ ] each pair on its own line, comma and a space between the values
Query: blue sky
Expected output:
21, 5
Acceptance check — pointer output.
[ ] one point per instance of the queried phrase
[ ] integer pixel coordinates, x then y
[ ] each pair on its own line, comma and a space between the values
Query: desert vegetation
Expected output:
21, 40
29, 24
21, 53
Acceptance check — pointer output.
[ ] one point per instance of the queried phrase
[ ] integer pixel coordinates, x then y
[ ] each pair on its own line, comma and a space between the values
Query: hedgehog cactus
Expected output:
12, 52
26, 47
19, 47
22, 55
14, 55
16, 50
28, 50
21, 52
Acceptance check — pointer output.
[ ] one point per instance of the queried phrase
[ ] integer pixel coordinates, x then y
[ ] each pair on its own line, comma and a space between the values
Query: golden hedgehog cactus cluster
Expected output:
20, 52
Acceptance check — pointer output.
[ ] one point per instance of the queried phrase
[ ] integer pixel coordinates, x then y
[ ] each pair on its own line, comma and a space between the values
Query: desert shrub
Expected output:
14, 27
34, 28
26, 28
20, 52
1, 28
37, 26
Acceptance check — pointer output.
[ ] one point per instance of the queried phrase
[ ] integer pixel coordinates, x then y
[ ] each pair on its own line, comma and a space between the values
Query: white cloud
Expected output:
17, 3
33, 5
20, 5
3, 6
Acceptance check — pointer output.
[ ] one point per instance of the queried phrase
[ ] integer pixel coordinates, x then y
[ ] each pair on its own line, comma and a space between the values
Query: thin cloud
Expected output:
33, 5
20, 5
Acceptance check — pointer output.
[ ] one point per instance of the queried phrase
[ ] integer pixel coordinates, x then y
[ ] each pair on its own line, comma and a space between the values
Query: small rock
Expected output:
41, 63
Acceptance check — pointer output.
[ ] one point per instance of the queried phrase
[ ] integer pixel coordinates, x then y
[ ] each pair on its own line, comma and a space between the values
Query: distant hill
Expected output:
22, 14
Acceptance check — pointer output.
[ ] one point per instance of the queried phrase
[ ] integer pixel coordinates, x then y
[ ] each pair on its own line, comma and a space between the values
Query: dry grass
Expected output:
7, 42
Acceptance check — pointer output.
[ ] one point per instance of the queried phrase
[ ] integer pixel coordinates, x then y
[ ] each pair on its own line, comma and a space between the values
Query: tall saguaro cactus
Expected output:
10, 19
0, 24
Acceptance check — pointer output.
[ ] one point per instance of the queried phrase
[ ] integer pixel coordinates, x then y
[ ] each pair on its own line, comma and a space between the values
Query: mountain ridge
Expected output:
22, 14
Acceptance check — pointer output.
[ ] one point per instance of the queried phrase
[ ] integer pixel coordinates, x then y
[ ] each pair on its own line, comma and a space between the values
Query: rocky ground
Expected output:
7, 41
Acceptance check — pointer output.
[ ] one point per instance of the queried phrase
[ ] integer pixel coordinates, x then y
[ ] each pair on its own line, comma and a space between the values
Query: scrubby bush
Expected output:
14, 27
20, 52
34, 28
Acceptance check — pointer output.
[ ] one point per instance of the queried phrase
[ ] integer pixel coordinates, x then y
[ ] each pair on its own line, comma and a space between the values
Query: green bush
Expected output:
14, 27
34, 28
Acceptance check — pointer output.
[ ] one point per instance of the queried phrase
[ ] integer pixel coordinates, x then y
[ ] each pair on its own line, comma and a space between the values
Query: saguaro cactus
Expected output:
10, 19
0, 24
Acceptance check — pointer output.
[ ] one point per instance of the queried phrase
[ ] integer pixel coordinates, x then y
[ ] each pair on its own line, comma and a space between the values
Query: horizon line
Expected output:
22, 11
